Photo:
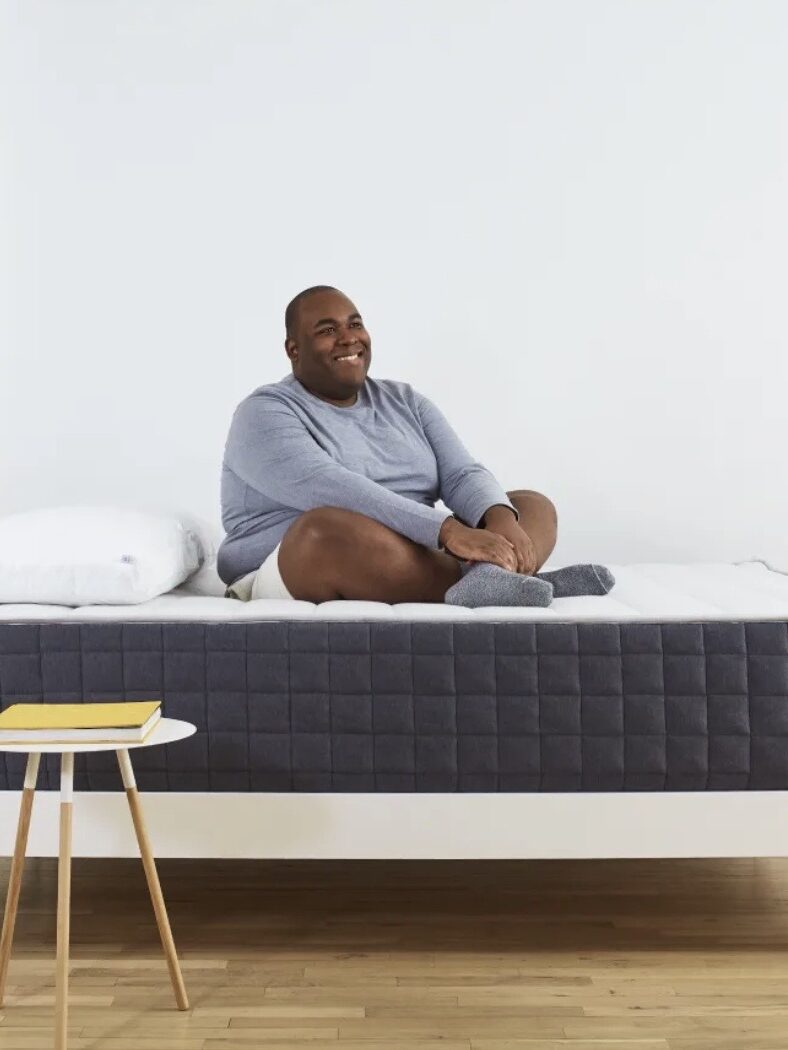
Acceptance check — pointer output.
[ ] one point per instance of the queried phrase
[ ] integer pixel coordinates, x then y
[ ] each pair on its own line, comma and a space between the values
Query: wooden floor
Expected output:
450, 955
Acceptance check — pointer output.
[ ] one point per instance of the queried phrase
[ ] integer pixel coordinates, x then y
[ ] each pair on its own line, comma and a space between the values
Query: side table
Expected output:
166, 731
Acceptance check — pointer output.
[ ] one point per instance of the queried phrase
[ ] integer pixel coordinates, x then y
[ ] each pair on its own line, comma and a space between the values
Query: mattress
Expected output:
675, 681
652, 591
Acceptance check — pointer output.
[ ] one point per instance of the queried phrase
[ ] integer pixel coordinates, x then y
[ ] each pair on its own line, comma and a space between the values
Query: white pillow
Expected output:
89, 555
206, 580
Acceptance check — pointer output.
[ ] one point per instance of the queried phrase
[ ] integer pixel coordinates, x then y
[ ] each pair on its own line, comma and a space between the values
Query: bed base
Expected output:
413, 826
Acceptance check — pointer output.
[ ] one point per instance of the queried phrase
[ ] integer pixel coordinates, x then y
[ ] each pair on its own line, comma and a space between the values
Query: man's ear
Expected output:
291, 348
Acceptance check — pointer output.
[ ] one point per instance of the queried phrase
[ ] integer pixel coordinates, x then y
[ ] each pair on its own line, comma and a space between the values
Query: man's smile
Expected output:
352, 357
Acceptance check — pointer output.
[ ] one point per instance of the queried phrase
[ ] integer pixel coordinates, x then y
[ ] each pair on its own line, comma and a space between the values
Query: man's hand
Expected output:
500, 520
476, 544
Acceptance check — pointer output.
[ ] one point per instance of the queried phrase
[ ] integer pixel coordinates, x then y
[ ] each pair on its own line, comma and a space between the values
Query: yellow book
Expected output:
127, 721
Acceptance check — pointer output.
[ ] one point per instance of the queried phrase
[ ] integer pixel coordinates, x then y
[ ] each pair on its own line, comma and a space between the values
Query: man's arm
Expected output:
465, 485
269, 448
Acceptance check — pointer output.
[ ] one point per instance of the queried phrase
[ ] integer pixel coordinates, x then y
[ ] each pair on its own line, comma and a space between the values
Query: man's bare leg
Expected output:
331, 553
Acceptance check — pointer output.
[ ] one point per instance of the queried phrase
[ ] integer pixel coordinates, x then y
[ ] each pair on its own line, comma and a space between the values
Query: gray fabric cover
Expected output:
420, 706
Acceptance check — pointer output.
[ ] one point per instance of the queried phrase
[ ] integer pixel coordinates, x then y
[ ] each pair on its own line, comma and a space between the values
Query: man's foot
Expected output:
483, 583
574, 580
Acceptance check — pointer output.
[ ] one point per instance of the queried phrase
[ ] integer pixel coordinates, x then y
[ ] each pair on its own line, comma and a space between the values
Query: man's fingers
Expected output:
502, 552
505, 556
510, 556
517, 558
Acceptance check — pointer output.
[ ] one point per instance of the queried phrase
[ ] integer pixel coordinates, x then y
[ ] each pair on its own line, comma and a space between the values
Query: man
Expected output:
329, 482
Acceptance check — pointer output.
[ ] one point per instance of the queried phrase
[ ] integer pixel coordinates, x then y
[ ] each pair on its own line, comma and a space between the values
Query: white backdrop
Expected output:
566, 222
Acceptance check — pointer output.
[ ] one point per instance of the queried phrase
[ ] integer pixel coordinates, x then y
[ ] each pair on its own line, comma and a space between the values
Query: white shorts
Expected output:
265, 582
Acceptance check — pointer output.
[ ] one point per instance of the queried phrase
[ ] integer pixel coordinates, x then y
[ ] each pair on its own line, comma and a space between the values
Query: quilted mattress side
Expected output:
422, 706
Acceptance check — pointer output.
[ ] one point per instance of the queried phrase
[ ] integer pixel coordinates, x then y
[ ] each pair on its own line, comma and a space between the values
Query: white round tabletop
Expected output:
166, 731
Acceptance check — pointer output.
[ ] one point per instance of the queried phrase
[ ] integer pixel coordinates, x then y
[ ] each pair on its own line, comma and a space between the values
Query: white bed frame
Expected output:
301, 825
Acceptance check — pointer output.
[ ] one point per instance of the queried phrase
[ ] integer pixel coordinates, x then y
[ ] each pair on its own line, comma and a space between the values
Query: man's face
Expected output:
331, 351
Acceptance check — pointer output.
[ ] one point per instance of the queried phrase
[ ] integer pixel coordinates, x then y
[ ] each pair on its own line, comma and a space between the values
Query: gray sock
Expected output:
574, 580
483, 583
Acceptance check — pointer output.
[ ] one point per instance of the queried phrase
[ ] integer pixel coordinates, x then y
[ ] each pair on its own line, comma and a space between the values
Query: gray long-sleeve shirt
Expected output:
390, 456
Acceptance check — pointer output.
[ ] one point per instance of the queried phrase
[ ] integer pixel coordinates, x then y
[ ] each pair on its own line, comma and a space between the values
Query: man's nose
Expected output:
346, 335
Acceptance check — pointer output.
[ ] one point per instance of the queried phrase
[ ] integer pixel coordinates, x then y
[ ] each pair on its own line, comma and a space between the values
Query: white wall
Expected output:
566, 222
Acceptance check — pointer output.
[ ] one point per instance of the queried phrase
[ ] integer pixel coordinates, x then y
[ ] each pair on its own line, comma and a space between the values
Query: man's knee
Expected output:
532, 496
322, 529
313, 527
311, 552
329, 551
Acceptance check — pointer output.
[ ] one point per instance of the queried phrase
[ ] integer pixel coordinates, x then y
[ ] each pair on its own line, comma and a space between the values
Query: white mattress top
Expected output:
651, 591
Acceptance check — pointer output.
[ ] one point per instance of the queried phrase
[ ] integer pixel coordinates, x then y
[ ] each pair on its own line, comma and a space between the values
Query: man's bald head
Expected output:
327, 344
294, 306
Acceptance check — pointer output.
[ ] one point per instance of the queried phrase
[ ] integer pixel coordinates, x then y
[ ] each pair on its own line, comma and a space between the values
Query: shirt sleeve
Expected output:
270, 449
465, 485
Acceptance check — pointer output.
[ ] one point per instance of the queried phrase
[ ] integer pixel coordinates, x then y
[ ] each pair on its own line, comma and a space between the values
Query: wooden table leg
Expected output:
17, 864
63, 899
151, 875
